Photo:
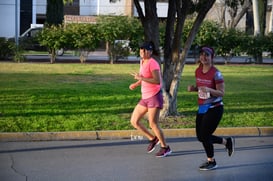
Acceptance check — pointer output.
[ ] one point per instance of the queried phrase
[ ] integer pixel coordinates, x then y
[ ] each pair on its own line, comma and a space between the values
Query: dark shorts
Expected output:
155, 101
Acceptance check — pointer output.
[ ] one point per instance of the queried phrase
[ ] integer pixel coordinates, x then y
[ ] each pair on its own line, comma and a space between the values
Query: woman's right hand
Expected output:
191, 88
132, 86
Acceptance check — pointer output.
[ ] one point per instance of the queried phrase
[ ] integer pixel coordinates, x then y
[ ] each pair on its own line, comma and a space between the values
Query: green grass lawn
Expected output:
71, 97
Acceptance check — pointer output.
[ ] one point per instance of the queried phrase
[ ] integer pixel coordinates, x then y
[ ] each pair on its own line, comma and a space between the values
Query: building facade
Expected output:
18, 15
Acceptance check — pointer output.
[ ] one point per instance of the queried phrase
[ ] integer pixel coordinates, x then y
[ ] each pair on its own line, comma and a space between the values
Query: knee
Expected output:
201, 138
153, 125
133, 123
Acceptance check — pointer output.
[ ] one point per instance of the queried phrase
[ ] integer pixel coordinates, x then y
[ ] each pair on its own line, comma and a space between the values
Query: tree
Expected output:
262, 7
230, 43
173, 61
235, 12
82, 37
53, 38
149, 22
54, 12
114, 28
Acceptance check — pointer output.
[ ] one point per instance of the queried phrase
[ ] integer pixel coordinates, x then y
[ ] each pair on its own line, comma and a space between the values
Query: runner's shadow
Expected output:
96, 143
193, 152
129, 142
245, 165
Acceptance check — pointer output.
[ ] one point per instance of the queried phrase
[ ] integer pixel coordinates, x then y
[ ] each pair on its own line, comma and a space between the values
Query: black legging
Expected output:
206, 124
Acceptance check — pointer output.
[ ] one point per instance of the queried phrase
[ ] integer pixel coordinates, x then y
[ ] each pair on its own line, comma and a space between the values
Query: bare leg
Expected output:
154, 124
137, 114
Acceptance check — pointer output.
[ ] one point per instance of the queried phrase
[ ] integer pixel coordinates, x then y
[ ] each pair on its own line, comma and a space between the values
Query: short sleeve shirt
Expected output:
147, 89
209, 79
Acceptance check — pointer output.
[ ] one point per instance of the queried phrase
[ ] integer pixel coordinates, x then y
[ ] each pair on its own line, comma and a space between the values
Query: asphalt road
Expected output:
126, 160
101, 57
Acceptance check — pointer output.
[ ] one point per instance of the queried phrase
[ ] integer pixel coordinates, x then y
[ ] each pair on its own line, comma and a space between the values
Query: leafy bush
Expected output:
53, 38
119, 28
254, 45
121, 50
229, 42
269, 44
7, 48
82, 37
86, 37
208, 33
18, 55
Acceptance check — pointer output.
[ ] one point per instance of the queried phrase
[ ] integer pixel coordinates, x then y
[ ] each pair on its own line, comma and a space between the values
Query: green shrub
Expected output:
228, 44
6, 48
121, 50
18, 55
81, 37
269, 44
52, 37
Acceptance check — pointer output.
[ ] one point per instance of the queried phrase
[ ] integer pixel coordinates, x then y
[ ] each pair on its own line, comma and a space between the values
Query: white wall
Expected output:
216, 12
41, 6
162, 9
101, 7
107, 8
88, 7
7, 18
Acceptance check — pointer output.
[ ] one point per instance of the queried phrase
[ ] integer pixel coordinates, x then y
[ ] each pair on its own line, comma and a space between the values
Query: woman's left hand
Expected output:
204, 89
136, 76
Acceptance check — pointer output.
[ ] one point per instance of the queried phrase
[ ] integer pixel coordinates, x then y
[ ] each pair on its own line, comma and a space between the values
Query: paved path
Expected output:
102, 57
126, 160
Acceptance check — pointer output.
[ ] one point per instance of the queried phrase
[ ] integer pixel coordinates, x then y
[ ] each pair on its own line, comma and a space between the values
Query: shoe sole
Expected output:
233, 145
166, 154
153, 147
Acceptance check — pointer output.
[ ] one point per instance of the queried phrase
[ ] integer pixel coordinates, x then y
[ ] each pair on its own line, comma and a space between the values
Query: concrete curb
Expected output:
127, 134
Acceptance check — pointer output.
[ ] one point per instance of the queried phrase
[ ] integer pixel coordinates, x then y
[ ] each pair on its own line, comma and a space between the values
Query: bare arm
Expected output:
134, 85
155, 79
218, 92
192, 88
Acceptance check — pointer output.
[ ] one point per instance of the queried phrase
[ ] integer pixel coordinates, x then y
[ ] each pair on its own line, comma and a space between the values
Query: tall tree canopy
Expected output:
54, 12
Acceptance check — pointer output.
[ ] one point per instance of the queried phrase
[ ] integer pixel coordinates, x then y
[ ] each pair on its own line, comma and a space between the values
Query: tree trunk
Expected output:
259, 9
171, 55
247, 4
83, 55
150, 23
54, 12
173, 63
109, 52
52, 56
223, 17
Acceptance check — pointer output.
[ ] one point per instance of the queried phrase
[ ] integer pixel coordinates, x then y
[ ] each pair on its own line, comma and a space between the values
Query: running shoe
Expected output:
230, 146
152, 145
209, 165
164, 152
